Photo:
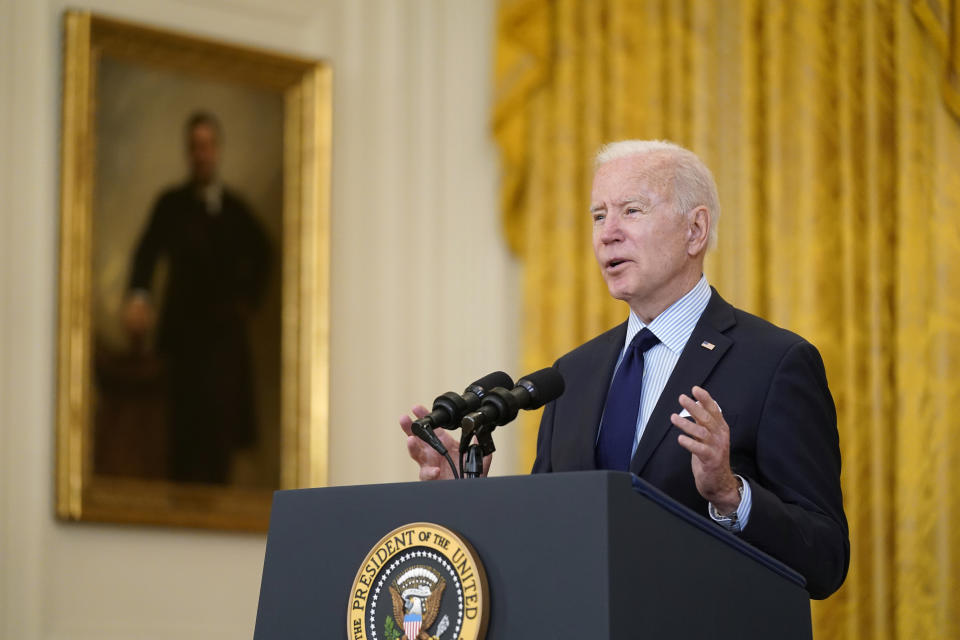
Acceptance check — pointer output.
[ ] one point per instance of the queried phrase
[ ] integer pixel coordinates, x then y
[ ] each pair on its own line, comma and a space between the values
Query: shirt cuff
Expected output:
737, 524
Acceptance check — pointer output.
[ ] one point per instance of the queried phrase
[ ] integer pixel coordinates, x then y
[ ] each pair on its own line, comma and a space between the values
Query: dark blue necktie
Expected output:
619, 424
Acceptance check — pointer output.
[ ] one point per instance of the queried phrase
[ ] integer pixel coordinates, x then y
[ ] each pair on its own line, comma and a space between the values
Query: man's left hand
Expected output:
708, 440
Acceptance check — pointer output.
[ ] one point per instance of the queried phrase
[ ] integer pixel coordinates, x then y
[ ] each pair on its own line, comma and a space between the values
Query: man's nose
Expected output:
610, 230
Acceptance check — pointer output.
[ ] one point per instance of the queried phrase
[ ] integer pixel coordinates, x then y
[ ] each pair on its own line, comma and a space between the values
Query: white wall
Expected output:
415, 242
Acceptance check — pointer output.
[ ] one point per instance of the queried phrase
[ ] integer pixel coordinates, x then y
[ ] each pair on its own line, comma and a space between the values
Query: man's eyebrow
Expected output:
622, 202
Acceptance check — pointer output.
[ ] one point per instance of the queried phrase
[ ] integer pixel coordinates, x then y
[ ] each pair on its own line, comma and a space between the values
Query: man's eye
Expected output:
598, 217
633, 211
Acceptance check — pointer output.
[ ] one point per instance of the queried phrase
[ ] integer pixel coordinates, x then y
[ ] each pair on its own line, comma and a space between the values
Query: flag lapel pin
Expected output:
707, 345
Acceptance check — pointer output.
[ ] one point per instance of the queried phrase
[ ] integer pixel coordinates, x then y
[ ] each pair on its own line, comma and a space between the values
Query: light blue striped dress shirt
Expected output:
673, 327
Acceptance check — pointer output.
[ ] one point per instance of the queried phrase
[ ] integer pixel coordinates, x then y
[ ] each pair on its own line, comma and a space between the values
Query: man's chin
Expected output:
202, 176
619, 292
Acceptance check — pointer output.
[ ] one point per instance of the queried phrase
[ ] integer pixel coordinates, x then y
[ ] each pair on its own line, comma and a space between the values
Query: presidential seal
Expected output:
421, 581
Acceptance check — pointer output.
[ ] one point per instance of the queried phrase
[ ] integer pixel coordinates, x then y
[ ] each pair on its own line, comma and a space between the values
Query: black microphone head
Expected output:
489, 381
447, 410
543, 386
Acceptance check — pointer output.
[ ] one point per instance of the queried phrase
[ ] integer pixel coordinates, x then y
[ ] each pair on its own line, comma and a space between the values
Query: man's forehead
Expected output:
643, 175
203, 129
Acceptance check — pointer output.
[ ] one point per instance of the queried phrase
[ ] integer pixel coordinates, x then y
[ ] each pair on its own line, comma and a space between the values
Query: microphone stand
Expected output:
473, 467
475, 452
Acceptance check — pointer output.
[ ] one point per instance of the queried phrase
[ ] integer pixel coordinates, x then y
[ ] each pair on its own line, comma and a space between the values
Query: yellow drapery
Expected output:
828, 126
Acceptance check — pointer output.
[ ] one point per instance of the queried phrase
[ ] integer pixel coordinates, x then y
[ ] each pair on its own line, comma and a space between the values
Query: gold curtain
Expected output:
828, 125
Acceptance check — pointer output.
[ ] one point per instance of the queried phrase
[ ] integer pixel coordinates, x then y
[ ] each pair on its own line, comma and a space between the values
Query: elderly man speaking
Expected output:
723, 411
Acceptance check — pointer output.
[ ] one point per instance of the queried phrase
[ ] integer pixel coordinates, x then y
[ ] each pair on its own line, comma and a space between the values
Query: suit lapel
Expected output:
695, 364
596, 376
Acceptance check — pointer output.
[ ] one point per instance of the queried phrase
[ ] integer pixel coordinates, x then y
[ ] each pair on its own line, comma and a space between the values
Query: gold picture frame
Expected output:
301, 89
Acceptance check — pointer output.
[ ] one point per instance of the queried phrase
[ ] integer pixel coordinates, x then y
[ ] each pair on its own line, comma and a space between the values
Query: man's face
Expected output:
203, 152
640, 241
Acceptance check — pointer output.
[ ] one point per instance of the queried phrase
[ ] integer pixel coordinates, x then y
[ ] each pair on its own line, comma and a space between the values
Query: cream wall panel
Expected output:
28, 267
422, 293
420, 275
7, 52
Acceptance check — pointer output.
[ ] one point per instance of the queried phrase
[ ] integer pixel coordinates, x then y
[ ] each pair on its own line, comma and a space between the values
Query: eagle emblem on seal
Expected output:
416, 595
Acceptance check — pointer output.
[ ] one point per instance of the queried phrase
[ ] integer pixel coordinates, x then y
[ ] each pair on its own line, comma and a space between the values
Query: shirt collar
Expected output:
211, 195
675, 324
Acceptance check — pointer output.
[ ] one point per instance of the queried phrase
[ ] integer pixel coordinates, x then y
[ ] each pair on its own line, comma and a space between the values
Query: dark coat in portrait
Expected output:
217, 261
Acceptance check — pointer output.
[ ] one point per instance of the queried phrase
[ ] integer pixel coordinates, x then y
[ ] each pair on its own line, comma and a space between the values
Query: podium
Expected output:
595, 554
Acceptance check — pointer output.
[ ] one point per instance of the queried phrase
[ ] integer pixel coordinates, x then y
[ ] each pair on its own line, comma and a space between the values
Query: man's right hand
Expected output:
433, 466
137, 315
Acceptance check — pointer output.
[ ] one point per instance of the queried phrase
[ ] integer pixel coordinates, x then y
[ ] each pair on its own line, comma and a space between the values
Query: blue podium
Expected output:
594, 555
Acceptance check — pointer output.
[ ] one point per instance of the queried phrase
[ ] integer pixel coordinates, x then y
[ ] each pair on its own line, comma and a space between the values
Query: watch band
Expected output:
732, 518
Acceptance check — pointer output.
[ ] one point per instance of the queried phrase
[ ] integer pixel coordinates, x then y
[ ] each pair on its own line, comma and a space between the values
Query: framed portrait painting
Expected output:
194, 254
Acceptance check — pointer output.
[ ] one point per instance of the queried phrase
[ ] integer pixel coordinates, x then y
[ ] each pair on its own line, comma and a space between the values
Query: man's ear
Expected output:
698, 230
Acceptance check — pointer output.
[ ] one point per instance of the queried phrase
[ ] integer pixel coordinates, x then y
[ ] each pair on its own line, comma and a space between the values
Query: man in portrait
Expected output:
723, 411
216, 255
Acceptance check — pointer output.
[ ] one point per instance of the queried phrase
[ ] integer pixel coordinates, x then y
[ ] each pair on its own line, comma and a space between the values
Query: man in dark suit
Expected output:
217, 257
758, 453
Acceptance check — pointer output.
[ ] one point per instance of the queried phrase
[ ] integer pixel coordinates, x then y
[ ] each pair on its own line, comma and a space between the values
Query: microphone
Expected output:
500, 406
450, 407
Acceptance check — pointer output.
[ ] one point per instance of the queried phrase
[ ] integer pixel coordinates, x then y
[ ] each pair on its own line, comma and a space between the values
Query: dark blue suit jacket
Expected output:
772, 388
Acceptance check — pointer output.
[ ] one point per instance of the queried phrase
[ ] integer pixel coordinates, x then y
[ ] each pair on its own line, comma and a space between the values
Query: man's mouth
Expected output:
613, 263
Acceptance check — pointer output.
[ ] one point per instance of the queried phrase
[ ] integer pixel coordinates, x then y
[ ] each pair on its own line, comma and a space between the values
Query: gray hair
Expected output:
693, 183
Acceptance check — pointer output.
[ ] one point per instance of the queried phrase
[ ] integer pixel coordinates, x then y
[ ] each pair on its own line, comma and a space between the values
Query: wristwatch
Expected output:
727, 520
